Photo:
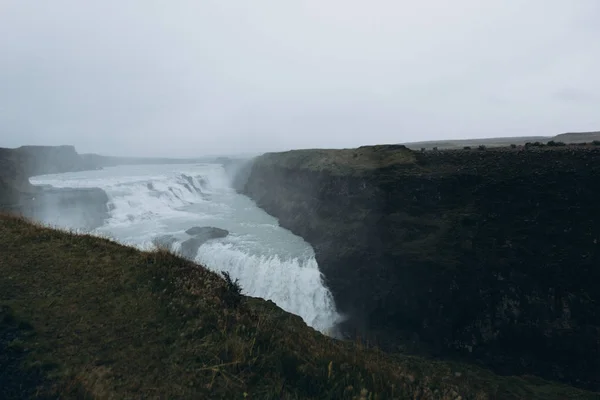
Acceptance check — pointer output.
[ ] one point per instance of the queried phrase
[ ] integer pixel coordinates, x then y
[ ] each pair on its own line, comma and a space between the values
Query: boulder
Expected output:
207, 231
190, 247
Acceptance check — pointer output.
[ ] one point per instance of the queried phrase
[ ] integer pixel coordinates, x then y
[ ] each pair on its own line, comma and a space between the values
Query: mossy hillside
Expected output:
85, 317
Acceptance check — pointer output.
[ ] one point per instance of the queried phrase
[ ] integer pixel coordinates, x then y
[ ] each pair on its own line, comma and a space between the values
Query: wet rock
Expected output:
191, 184
189, 248
207, 231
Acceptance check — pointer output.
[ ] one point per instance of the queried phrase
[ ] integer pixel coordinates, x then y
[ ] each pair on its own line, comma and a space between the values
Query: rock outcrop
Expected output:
491, 256
201, 234
75, 208
39, 160
209, 232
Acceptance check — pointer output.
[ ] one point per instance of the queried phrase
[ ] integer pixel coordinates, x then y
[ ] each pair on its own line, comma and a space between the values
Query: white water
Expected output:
152, 200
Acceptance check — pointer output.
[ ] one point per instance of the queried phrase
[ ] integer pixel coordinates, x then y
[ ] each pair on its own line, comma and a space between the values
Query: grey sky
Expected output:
193, 77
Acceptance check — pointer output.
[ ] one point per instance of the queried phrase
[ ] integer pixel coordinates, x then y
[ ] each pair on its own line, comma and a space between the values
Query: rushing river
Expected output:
150, 201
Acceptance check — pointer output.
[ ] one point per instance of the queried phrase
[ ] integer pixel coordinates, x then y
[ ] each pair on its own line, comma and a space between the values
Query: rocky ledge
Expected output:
75, 208
201, 235
492, 256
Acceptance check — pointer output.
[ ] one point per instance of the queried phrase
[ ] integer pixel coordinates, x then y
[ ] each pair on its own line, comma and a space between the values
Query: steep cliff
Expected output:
77, 208
38, 160
488, 255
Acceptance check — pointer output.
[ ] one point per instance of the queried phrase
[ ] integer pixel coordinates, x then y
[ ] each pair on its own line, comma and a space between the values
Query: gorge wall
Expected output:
77, 208
487, 255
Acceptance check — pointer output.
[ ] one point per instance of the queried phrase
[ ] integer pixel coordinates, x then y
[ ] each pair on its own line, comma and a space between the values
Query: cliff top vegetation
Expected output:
400, 159
343, 161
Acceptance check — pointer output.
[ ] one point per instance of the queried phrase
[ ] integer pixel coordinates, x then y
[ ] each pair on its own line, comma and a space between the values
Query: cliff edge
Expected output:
82, 208
488, 255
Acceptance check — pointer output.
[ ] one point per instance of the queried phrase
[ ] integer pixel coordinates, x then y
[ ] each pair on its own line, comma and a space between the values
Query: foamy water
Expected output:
153, 200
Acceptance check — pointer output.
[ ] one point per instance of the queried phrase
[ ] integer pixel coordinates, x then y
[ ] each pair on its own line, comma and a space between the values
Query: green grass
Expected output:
84, 317
342, 161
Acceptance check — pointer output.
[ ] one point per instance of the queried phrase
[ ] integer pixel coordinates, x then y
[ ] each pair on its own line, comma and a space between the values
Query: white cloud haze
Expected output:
187, 78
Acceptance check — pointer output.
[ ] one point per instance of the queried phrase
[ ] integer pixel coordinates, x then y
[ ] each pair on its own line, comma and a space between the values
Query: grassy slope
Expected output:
90, 318
342, 161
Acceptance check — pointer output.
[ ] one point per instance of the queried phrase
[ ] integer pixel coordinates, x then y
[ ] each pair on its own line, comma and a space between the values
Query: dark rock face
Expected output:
39, 160
77, 208
492, 256
237, 170
190, 247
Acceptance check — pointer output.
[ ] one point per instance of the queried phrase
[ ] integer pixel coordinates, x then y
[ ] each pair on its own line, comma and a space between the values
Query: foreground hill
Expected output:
487, 255
84, 317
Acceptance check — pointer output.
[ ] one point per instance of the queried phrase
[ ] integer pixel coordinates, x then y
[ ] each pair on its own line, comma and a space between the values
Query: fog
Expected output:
192, 78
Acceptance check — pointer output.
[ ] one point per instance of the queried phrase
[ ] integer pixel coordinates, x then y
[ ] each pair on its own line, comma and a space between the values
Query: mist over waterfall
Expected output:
150, 203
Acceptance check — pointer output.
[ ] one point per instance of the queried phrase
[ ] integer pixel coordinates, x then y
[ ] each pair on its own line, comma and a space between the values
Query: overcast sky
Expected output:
194, 77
